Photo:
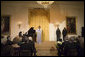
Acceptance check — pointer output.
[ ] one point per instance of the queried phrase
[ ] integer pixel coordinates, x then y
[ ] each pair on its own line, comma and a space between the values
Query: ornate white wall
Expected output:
19, 12
59, 11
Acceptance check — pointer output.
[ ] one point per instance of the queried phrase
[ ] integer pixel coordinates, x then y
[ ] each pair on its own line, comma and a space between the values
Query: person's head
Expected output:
32, 27
23, 34
60, 40
27, 40
79, 36
72, 38
20, 34
26, 33
64, 27
8, 37
58, 28
39, 27
66, 38
58, 25
30, 38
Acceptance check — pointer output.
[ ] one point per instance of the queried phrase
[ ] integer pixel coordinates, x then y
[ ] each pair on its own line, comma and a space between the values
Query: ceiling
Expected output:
57, 4
35, 4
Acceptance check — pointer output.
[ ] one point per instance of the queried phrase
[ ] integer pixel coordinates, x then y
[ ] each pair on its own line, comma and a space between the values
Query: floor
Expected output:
47, 48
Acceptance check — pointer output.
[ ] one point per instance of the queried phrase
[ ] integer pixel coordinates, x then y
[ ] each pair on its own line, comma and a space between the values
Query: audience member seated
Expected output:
59, 47
70, 47
6, 50
28, 46
3, 39
81, 45
9, 42
32, 43
81, 41
24, 49
20, 34
26, 34
24, 38
66, 38
2, 47
16, 48
17, 39
65, 46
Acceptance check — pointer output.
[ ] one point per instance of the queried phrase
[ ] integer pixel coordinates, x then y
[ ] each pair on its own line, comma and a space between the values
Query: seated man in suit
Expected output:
29, 45
70, 47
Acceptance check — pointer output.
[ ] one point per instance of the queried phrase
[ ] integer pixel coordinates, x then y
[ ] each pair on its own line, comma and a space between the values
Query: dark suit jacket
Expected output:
58, 32
28, 46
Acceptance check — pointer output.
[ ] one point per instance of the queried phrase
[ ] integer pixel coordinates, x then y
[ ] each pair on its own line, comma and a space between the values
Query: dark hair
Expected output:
8, 37
79, 36
20, 33
39, 26
60, 40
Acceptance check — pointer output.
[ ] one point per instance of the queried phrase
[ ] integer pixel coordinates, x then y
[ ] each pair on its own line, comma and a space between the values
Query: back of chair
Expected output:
7, 51
25, 53
16, 51
71, 49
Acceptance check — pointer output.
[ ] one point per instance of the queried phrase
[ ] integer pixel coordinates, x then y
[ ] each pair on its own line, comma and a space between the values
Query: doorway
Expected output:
40, 17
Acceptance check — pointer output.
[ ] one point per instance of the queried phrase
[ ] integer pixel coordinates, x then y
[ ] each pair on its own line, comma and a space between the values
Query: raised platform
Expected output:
47, 48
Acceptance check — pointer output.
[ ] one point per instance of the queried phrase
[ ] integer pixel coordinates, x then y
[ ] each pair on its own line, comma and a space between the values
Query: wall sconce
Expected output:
19, 24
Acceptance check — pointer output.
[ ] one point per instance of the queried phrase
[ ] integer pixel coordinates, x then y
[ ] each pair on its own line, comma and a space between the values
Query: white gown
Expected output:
39, 35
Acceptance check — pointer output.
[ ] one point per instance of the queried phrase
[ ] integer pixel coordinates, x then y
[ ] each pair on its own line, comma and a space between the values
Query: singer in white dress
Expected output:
39, 35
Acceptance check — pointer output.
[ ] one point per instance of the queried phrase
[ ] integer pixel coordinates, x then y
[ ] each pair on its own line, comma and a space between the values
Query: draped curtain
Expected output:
40, 17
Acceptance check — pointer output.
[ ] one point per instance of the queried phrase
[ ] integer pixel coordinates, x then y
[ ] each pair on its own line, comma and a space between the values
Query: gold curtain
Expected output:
40, 17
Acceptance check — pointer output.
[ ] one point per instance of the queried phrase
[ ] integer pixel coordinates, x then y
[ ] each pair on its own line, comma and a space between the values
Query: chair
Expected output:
16, 52
71, 49
7, 51
25, 53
